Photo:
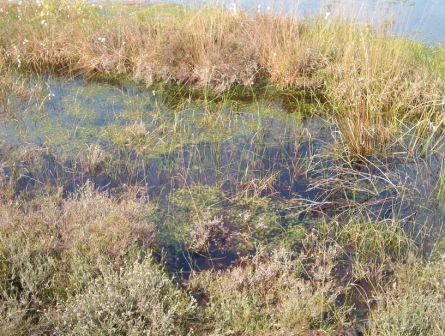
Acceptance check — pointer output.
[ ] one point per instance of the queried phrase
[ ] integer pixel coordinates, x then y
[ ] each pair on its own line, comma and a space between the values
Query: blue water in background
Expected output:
419, 19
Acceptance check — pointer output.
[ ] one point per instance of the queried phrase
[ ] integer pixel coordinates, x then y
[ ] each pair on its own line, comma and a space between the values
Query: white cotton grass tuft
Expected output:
233, 8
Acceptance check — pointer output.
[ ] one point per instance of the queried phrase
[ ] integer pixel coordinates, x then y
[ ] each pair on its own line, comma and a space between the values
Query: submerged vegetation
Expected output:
175, 171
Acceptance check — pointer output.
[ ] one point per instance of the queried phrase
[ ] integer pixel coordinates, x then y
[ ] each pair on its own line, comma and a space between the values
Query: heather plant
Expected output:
29, 278
136, 299
270, 295
412, 304
51, 248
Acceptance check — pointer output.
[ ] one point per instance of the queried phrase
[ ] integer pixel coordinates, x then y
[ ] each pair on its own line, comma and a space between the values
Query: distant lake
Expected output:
419, 19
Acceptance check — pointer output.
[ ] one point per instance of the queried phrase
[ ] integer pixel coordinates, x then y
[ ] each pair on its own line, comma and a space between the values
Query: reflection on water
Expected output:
119, 136
160, 147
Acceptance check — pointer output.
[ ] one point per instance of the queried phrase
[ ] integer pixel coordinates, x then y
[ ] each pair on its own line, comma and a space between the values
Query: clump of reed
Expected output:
12, 86
288, 51
377, 84
370, 249
208, 48
4, 84
440, 57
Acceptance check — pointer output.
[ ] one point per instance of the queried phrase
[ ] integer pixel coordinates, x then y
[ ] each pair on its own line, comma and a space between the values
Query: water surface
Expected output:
248, 162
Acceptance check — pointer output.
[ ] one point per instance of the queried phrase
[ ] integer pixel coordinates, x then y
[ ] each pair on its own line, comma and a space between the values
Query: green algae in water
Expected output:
80, 113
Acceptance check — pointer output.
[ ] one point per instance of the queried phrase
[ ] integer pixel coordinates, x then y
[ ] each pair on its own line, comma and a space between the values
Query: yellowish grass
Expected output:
11, 86
375, 84
285, 50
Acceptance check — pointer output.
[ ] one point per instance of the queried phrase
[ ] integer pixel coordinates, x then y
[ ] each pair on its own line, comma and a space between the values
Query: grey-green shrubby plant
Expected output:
270, 295
137, 299
28, 281
50, 248
413, 304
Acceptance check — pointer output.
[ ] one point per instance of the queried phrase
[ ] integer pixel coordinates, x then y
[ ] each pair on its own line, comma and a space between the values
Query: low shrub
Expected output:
137, 299
413, 304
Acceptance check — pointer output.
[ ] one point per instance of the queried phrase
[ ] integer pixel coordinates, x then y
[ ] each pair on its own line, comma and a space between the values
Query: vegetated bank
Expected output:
86, 249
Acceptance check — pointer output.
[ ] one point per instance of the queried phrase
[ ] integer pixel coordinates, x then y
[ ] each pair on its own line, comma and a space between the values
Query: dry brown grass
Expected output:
287, 51
214, 46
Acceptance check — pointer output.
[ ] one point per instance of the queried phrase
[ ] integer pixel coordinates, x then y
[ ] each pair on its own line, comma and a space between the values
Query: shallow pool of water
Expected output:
253, 159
